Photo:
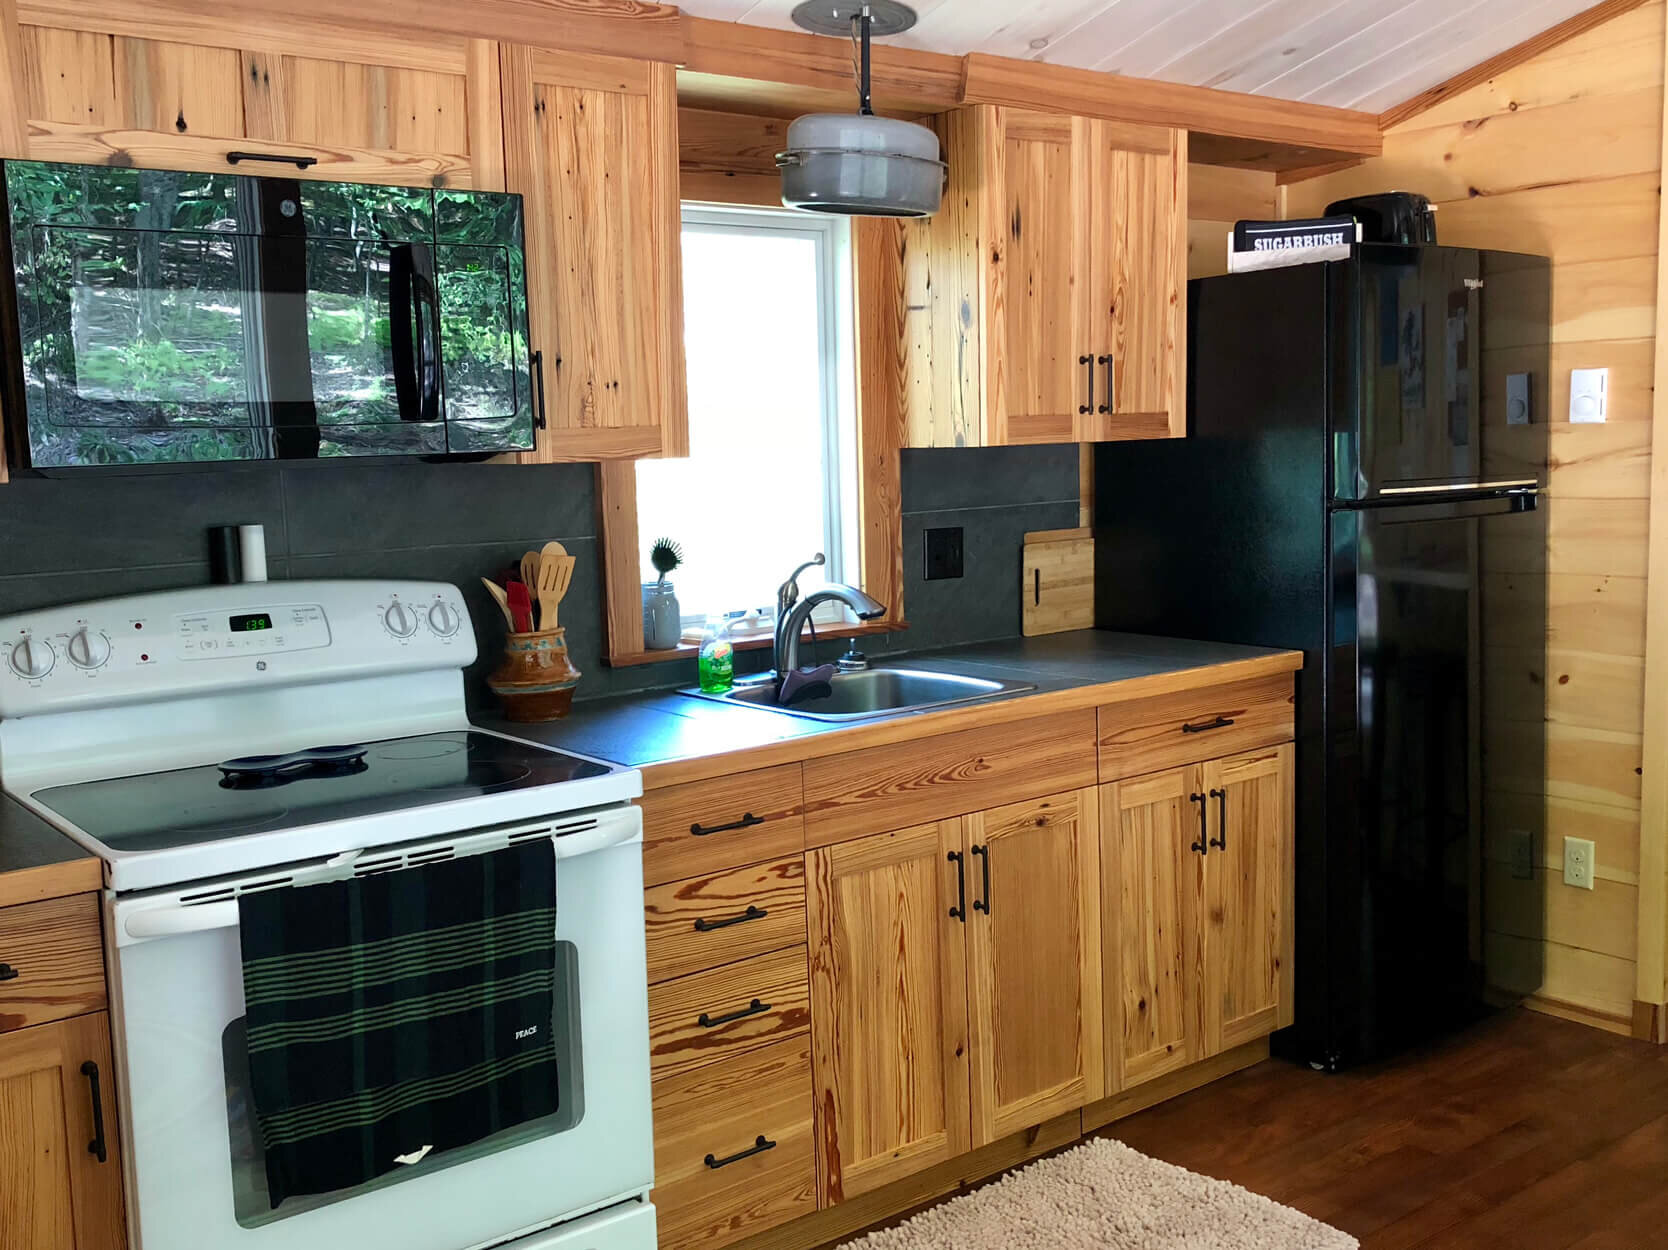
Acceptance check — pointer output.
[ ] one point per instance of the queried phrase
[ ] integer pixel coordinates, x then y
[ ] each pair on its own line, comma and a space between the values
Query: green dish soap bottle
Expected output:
717, 661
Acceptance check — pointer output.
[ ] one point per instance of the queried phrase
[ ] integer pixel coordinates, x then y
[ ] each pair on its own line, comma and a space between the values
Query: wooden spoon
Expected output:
555, 575
530, 573
497, 593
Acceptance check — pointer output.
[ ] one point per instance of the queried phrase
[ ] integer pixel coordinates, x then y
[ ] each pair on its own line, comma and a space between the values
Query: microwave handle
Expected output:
425, 302
402, 273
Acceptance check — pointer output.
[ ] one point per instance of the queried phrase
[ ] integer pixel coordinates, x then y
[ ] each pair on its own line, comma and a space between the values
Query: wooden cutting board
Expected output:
1057, 588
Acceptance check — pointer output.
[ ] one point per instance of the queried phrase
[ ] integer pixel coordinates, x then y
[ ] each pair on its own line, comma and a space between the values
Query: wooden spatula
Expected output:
555, 576
498, 597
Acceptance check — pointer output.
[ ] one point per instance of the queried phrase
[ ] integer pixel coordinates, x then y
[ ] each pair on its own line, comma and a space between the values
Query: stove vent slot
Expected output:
224, 894
271, 883
575, 826
393, 863
525, 835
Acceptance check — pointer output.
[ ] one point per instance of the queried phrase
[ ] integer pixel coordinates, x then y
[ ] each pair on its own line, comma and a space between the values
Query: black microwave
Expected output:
167, 318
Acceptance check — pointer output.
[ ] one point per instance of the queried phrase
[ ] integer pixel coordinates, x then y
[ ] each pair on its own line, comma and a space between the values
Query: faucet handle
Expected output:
788, 593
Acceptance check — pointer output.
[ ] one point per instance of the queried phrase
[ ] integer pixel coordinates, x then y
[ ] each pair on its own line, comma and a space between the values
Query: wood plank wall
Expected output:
1217, 197
1562, 156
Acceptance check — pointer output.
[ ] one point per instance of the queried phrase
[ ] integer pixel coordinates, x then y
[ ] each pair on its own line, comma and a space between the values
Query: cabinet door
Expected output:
353, 104
1033, 962
591, 143
888, 1006
55, 1193
1152, 882
1135, 281
1248, 890
1044, 381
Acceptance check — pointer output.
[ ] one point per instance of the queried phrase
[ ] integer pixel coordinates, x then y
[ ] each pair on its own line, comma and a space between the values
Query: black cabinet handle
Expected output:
983, 904
300, 162
703, 925
1221, 722
959, 911
1203, 844
746, 822
1110, 391
759, 1146
9, 973
96, 1146
1221, 797
754, 1008
538, 389
1089, 369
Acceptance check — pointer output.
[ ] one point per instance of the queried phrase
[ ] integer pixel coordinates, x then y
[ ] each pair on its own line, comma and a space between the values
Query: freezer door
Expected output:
1425, 737
1442, 380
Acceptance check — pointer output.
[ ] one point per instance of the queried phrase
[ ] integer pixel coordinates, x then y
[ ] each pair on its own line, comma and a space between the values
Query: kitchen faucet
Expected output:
792, 612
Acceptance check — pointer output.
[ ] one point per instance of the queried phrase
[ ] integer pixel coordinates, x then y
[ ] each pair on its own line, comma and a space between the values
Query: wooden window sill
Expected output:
759, 642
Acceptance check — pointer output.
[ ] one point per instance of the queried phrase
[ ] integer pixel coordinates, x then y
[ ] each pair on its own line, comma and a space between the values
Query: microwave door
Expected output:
486, 364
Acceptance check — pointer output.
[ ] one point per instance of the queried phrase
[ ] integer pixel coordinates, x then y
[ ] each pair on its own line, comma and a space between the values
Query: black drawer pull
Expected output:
1202, 846
1221, 722
754, 1008
9, 973
746, 822
703, 925
300, 162
757, 1148
96, 1146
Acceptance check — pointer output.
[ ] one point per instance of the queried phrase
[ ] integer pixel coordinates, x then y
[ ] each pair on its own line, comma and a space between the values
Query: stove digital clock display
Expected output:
251, 621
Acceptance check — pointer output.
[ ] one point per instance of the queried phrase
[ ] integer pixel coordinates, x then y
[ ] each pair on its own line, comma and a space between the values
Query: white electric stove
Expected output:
210, 742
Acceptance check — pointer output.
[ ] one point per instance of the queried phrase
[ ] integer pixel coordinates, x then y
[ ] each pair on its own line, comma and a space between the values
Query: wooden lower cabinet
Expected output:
955, 986
888, 1006
56, 1193
733, 1147
1196, 911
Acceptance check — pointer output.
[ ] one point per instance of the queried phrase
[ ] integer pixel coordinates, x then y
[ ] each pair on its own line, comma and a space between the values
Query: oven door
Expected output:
195, 1174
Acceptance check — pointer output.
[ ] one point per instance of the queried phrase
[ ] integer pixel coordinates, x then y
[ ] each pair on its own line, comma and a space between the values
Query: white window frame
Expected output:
837, 351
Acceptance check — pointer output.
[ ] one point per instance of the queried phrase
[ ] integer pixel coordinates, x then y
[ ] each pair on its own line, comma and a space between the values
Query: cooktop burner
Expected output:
258, 794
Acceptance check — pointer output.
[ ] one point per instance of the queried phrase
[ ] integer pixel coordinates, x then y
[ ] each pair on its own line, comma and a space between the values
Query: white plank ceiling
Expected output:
1362, 54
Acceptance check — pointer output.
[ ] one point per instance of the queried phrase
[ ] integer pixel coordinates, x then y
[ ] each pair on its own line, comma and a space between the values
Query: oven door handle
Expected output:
173, 921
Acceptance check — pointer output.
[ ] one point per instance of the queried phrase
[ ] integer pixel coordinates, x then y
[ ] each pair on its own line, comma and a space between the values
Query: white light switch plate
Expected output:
1578, 862
1589, 393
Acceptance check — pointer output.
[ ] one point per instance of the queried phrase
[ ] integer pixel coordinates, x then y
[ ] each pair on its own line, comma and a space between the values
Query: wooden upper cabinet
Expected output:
591, 143
1045, 302
888, 1007
1152, 890
1033, 962
1248, 897
117, 84
56, 1192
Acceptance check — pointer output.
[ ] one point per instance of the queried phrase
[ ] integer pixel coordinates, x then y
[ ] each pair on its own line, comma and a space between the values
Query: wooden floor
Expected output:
1526, 1132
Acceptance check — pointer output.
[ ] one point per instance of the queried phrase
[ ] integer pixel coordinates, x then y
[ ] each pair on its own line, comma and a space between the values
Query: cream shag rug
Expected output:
1104, 1196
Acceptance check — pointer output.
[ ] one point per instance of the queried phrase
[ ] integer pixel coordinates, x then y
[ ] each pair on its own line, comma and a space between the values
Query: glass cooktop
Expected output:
258, 794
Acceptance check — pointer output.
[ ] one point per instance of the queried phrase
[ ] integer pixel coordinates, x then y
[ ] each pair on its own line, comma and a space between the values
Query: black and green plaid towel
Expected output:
397, 1016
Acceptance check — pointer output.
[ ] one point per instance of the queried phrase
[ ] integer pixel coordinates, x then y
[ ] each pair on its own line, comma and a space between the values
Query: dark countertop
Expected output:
36, 861
659, 727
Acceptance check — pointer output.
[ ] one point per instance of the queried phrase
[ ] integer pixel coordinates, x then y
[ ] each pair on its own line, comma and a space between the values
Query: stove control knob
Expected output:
31, 657
400, 620
87, 648
443, 619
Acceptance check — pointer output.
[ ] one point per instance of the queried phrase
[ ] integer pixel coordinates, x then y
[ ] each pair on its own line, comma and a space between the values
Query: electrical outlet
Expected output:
943, 554
1522, 847
1578, 863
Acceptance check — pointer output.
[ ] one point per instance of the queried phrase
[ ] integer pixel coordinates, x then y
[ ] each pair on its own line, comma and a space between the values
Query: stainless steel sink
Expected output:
870, 693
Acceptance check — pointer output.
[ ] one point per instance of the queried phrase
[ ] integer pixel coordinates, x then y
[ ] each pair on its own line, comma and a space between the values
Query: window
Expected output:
771, 478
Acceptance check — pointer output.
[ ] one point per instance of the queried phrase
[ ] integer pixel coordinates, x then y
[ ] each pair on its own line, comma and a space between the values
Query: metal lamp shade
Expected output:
861, 166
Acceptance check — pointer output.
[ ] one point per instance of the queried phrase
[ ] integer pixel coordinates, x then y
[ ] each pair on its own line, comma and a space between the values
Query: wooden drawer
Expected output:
1150, 735
716, 1015
54, 949
704, 1195
915, 783
724, 917
723, 822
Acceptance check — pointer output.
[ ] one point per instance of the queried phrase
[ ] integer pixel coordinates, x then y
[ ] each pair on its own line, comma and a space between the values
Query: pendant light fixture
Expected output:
858, 164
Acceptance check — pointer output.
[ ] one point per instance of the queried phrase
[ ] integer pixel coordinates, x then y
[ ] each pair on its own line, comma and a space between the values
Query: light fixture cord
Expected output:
860, 29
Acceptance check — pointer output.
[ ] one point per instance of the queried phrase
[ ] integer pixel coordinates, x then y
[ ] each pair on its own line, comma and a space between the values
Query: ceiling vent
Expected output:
857, 164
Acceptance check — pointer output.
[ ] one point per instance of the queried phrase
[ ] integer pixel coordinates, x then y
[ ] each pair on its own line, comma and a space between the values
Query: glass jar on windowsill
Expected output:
662, 618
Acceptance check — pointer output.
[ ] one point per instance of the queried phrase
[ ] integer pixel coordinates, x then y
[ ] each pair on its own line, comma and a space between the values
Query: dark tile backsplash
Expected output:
89, 537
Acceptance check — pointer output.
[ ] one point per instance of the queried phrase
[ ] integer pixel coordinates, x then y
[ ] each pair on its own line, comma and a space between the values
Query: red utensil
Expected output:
520, 600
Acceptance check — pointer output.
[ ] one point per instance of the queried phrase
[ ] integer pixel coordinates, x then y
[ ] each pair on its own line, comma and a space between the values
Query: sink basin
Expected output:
872, 692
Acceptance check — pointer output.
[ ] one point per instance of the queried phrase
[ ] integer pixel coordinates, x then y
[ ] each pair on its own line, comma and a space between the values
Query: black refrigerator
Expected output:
1363, 480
